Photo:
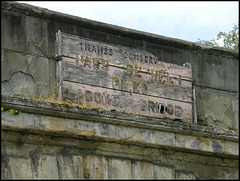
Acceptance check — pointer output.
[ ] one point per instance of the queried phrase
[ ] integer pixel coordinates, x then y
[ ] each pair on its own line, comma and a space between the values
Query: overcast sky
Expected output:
176, 19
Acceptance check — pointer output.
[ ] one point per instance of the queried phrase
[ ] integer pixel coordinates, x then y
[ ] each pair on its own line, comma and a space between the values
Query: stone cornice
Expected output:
105, 126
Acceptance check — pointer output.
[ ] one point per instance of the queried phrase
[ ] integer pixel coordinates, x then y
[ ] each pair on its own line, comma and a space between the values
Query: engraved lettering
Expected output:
105, 65
81, 45
96, 63
150, 60
93, 49
88, 96
110, 51
146, 59
97, 97
87, 62
178, 111
137, 70
87, 47
161, 108
160, 77
115, 82
151, 105
106, 99
115, 100
141, 58
125, 55
143, 105
180, 80
144, 88
77, 59
134, 86
79, 96
130, 56
170, 109
105, 51
123, 85
129, 69
168, 79
140, 84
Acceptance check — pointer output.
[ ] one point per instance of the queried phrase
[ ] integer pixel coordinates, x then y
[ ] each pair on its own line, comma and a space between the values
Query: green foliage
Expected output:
11, 111
14, 111
230, 40
36, 97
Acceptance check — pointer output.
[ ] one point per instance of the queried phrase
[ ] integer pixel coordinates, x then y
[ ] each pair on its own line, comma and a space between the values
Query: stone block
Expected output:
6, 172
13, 31
216, 108
162, 172
95, 167
78, 166
28, 76
47, 167
119, 169
23, 120
70, 167
185, 176
35, 28
193, 142
19, 84
21, 168
218, 72
142, 170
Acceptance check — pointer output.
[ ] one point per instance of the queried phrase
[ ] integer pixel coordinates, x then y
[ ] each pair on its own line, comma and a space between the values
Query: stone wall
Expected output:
49, 139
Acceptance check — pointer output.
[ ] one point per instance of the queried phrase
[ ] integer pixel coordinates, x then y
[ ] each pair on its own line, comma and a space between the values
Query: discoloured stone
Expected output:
6, 171
29, 76
161, 172
95, 167
124, 134
47, 168
70, 167
47, 141
142, 170
21, 168
217, 108
78, 166
207, 63
185, 176
19, 84
119, 169
70, 154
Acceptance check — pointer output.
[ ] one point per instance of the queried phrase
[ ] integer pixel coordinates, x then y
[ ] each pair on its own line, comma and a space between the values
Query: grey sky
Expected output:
187, 20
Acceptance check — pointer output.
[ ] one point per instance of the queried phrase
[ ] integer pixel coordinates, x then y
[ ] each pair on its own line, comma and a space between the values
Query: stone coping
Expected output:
68, 111
64, 120
44, 13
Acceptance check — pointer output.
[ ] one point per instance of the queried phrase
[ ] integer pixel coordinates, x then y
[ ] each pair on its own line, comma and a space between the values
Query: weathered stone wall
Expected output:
54, 140
28, 50
51, 140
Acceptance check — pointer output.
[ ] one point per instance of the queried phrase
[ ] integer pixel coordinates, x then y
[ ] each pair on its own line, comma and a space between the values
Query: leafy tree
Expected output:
230, 40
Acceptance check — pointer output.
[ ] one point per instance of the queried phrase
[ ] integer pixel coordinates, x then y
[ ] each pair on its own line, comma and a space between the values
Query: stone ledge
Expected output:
53, 119
65, 110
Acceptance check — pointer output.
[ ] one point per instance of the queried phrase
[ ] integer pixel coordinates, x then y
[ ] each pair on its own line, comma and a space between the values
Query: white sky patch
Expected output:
184, 20
220, 42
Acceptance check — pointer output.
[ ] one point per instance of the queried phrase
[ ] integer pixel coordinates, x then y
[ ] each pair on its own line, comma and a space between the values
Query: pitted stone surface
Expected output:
56, 140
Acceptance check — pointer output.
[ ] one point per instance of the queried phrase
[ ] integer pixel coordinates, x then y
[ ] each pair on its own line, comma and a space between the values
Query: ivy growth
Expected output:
11, 111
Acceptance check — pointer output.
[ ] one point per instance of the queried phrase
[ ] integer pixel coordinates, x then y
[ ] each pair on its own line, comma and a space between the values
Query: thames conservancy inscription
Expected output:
128, 80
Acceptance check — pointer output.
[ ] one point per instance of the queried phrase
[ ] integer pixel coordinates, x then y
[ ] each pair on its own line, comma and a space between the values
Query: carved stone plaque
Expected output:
123, 79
